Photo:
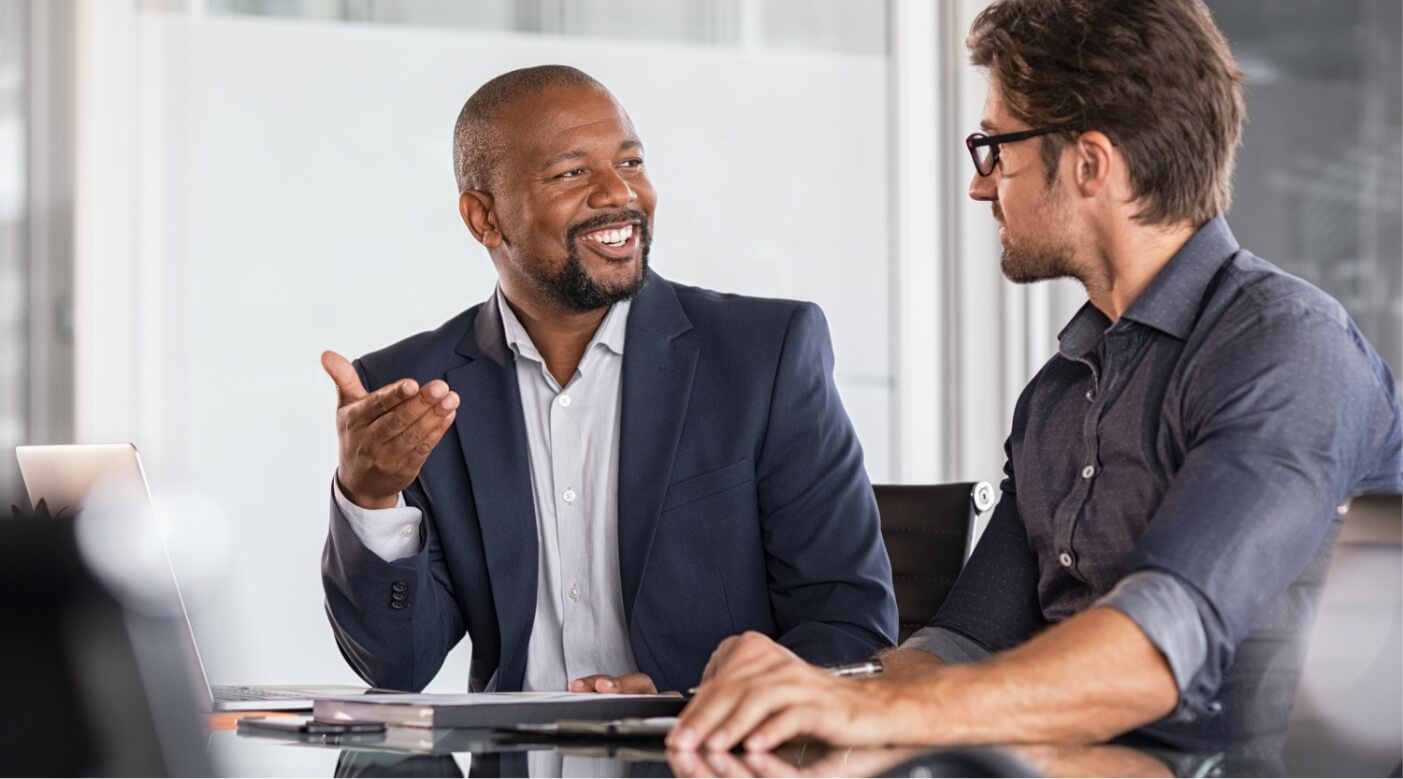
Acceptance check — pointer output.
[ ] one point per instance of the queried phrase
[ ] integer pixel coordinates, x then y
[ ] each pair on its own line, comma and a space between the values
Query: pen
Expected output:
865, 668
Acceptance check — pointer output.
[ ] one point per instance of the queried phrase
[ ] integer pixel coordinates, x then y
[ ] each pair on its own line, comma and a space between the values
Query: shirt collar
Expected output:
1172, 300
610, 334
1082, 333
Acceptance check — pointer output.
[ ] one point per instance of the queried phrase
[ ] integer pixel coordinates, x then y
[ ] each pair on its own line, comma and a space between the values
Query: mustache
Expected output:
998, 212
613, 217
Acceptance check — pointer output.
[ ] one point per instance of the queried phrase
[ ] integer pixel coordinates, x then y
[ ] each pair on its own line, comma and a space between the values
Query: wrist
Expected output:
930, 711
367, 502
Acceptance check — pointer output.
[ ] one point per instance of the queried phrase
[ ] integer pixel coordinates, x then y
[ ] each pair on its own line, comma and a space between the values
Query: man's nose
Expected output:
983, 188
611, 191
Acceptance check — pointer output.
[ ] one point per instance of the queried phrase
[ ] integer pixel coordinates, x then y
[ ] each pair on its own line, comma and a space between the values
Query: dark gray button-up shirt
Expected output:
1195, 450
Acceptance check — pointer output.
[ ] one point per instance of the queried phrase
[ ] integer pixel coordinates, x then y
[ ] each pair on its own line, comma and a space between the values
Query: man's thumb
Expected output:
348, 386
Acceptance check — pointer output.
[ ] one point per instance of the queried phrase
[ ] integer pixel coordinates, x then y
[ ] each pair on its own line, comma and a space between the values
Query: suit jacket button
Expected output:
399, 587
398, 596
398, 604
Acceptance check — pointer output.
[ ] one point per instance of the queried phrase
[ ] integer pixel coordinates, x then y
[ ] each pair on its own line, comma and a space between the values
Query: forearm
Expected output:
1086, 680
903, 664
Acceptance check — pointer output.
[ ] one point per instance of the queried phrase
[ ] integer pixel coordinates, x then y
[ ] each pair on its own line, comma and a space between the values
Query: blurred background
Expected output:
199, 196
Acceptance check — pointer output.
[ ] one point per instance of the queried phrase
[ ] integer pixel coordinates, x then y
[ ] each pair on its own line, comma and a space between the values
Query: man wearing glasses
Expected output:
1173, 472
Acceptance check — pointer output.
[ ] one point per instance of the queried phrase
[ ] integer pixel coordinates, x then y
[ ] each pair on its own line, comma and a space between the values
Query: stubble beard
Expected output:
1049, 257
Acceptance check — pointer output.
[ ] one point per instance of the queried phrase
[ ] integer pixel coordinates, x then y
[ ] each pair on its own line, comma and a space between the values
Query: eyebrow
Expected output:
573, 154
986, 125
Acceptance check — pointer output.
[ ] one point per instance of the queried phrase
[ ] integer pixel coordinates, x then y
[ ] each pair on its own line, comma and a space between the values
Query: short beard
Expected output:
1025, 266
572, 288
1051, 259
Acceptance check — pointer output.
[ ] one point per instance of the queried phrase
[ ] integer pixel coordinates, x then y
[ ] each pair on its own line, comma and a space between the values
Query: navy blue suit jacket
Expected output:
743, 502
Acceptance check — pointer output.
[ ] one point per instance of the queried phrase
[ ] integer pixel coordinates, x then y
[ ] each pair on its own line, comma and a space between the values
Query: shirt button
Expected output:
574, 592
1091, 395
568, 496
1065, 559
565, 401
407, 531
1088, 472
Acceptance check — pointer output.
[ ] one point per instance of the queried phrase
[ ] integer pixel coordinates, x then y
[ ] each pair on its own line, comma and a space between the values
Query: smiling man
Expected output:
597, 474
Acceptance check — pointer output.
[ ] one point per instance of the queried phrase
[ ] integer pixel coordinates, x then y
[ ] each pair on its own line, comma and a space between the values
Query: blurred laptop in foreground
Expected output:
69, 477
87, 688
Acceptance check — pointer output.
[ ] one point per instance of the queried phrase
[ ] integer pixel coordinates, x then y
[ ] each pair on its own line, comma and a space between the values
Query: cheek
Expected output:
647, 198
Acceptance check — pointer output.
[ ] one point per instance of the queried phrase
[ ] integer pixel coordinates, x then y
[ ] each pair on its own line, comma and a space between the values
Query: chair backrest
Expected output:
928, 531
1348, 716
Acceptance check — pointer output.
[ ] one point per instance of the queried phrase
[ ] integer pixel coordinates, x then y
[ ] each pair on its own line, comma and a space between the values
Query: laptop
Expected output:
64, 476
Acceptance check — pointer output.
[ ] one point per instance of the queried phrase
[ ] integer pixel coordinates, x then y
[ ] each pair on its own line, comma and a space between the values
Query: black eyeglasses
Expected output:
984, 149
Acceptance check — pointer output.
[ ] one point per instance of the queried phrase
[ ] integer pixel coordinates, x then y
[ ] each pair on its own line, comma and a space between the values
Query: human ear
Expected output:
1095, 156
480, 215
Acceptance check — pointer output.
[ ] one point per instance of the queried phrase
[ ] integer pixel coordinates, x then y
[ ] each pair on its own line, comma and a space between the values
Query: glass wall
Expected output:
853, 26
14, 288
1319, 186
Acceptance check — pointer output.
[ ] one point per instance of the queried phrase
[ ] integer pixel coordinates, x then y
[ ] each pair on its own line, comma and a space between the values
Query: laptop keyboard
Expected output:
255, 694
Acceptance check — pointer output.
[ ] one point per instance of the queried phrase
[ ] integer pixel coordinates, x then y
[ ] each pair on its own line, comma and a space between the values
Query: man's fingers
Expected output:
791, 721
765, 764
761, 702
725, 764
705, 715
634, 684
432, 400
629, 684
348, 386
587, 683
689, 764
418, 439
373, 407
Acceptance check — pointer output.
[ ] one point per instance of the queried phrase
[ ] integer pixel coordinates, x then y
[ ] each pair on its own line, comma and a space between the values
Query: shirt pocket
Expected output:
707, 484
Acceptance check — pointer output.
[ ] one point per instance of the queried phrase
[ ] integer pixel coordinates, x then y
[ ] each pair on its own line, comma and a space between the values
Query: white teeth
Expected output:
612, 237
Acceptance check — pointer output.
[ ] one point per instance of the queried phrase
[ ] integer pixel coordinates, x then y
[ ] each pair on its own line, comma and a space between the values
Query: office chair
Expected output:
929, 532
1348, 716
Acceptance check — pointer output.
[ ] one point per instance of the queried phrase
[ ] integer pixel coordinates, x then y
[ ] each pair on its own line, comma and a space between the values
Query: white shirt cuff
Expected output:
392, 534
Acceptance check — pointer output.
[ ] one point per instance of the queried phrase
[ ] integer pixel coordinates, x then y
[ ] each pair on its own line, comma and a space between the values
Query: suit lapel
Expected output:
492, 433
659, 362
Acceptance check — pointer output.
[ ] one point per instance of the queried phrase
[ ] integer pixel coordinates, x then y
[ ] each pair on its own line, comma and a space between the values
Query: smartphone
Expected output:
300, 726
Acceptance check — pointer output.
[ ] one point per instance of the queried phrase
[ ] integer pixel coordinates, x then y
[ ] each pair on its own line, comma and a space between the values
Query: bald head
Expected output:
477, 143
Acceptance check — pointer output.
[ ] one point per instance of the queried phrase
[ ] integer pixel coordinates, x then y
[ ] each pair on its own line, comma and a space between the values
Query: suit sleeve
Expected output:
394, 622
830, 579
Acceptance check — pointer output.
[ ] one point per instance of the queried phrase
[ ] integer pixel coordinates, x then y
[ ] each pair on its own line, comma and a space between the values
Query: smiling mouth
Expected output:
610, 236
613, 241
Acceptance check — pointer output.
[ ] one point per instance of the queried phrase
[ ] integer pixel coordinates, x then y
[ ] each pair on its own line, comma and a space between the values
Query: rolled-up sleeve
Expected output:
949, 646
1279, 418
1168, 614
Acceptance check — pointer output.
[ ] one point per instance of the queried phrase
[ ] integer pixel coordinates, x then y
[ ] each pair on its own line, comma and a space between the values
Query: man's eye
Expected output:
572, 173
631, 163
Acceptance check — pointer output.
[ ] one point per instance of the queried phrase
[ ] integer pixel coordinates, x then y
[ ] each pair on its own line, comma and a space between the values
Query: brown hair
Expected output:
1156, 76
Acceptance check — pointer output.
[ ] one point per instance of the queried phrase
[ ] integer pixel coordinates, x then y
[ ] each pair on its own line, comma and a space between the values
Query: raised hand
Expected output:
386, 435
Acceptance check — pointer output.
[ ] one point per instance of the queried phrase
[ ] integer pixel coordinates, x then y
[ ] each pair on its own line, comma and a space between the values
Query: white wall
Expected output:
263, 189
